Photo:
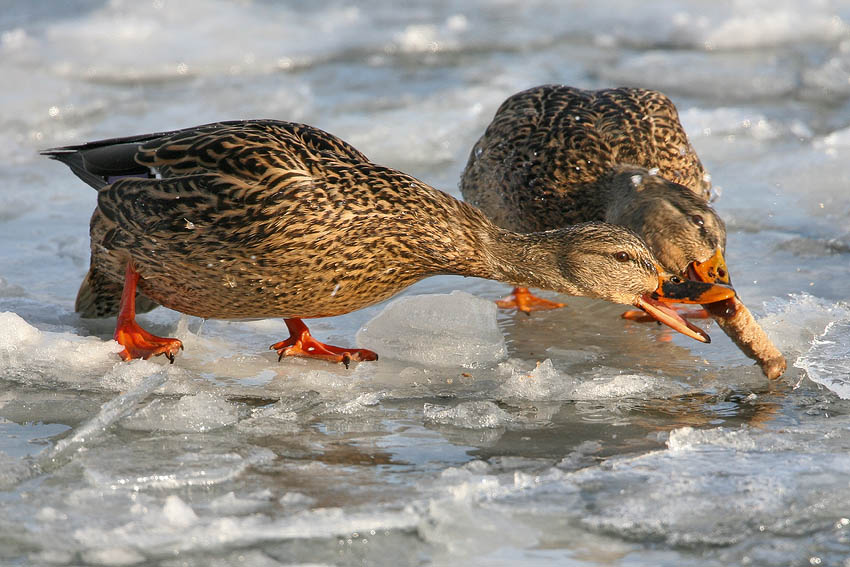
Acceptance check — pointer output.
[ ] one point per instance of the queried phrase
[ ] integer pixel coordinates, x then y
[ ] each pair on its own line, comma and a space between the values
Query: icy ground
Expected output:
480, 437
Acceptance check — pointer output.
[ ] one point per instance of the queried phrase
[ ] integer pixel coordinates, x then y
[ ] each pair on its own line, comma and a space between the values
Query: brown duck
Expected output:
261, 218
556, 155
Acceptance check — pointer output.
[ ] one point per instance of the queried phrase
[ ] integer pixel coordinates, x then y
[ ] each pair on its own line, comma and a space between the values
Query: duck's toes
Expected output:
308, 347
523, 300
139, 343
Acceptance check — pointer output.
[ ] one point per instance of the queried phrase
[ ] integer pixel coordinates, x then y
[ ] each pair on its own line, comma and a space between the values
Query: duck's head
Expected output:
610, 262
679, 226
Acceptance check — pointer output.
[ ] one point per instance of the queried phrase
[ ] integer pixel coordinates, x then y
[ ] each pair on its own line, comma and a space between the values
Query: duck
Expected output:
556, 155
256, 219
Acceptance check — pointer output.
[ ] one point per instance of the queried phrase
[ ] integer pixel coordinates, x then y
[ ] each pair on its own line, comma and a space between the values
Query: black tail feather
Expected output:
99, 165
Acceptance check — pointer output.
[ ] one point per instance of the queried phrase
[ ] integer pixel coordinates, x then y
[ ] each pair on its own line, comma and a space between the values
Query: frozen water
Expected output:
455, 329
827, 362
199, 412
472, 415
569, 437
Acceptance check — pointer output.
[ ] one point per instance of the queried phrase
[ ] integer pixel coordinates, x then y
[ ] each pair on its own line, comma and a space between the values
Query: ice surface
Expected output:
728, 121
16, 332
471, 415
628, 446
200, 412
827, 362
793, 322
455, 329
546, 382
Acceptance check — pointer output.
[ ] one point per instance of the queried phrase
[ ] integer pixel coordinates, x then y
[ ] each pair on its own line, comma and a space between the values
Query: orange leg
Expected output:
523, 300
642, 317
137, 342
302, 343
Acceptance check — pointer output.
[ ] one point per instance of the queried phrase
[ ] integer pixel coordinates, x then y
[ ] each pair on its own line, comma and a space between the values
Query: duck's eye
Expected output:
698, 220
676, 279
622, 256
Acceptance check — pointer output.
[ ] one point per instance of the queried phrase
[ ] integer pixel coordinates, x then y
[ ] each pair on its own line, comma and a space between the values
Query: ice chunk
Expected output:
782, 25
29, 355
113, 556
605, 385
794, 321
358, 404
827, 362
201, 412
169, 462
544, 382
12, 471
456, 329
178, 513
470, 415
296, 500
15, 332
839, 139
231, 505
686, 438
109, 413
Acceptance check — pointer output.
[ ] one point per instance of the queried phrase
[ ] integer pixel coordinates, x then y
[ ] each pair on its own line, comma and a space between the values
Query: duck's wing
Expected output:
642, 127
559, 137
245, 148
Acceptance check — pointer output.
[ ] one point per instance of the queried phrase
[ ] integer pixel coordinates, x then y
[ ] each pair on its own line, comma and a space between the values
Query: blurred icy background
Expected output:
565, 438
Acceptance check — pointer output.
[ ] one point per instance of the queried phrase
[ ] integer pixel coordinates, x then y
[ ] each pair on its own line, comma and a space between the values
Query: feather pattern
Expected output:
556, 155
263, 218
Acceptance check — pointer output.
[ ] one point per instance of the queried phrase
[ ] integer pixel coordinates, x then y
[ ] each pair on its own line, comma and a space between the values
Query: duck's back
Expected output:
537, 165
264, 218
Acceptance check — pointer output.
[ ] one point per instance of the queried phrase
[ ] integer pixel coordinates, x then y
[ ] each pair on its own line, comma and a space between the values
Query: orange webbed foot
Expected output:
139, 343
301, 343
523, 300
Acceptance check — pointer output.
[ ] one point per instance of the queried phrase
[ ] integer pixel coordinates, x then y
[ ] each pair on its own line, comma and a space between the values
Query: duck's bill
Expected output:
673, 289
668, 315
712, 270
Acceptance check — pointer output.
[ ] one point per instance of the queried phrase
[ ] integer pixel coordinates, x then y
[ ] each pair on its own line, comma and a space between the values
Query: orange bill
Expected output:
670, 317
675, 289
712, 270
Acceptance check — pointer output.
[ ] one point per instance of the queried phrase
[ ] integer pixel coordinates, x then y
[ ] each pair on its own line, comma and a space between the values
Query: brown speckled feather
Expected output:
261, 218
539, 164
265, 219
556, 155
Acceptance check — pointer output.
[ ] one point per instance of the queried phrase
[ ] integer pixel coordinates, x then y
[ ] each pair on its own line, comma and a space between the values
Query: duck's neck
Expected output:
621, 198
471, 245
538, 259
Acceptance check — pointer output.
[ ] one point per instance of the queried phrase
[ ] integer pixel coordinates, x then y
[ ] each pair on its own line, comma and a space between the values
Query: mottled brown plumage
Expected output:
556, 155
261, 218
